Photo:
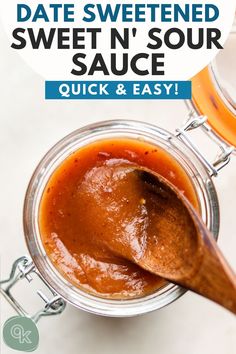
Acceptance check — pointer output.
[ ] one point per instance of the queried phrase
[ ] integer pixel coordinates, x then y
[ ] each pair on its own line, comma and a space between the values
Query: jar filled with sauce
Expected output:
73, 265
127, 291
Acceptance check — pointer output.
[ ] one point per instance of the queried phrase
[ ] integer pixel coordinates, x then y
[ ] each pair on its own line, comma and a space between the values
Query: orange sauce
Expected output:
71, 230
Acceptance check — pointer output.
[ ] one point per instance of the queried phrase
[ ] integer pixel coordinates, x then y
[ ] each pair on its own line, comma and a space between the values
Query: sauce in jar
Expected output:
72, 230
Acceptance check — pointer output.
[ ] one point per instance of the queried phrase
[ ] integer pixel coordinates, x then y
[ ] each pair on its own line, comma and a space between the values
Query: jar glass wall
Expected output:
224, 73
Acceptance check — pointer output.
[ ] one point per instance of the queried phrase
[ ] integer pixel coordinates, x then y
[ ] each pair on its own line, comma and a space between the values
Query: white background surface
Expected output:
29, 126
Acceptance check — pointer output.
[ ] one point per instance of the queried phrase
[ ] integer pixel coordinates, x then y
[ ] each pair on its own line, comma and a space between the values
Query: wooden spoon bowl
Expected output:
160, 231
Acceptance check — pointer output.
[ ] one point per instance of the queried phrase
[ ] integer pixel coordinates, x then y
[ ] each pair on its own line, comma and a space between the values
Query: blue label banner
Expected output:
118, 90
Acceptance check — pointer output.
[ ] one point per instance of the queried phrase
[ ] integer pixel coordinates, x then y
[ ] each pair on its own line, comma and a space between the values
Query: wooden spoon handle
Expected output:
214, 278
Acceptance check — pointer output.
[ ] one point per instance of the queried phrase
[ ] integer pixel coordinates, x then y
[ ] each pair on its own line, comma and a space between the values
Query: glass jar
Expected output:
214, 92
197, 173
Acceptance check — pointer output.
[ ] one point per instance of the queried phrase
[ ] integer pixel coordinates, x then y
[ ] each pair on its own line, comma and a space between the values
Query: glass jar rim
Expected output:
81, 137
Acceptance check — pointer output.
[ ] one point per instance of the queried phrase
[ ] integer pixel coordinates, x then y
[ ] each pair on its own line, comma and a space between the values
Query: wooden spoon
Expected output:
150, 222
201, 267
